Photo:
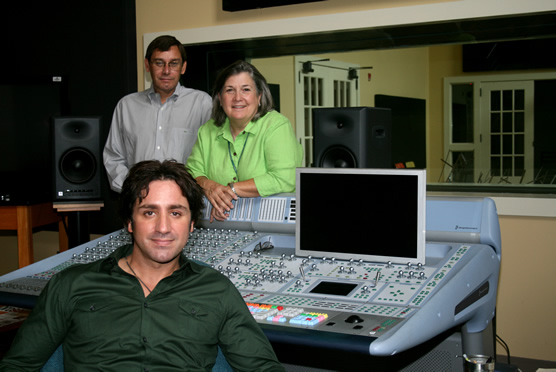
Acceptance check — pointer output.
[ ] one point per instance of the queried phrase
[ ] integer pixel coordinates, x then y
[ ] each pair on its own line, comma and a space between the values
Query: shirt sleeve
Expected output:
41, 333
195, 161
283, 154
114, 154
242, 341
207, 108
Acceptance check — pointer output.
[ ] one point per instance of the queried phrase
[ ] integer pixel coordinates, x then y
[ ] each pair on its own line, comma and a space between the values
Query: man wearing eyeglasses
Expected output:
159, 123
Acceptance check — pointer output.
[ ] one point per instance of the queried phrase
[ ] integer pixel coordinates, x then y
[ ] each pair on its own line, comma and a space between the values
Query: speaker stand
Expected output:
78, 219
78, 228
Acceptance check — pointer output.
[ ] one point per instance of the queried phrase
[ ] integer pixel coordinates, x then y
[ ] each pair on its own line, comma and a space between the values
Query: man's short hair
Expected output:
164, 43
140, 176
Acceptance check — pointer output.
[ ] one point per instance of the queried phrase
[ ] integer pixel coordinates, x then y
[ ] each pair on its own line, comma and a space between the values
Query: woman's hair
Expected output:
140, 176
267, 104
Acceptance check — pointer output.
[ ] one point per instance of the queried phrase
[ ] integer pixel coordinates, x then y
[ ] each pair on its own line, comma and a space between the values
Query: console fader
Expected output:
386, 307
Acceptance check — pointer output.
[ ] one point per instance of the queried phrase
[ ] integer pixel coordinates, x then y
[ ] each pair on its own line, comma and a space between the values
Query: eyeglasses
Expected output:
172, 65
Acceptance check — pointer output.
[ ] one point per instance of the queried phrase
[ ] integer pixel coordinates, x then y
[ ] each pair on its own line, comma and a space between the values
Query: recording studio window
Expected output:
492, 129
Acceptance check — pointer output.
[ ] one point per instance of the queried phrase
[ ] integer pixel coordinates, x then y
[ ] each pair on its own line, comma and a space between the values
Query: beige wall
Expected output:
280, 71
189, 14
526, 295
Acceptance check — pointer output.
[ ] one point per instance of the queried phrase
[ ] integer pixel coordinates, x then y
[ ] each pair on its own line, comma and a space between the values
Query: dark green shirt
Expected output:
99, 313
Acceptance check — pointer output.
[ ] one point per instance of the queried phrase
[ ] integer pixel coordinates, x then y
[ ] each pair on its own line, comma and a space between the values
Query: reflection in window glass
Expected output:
507, 139
308, 121
320, 100
519, 99
495, 122
507, 101
495, 166
507, 166
519, 122
342, 98
336, 88
495, 147
519, 164
314, 91
495, 100
462, 113
463, 166
507, 144
512, 125
306, 87
519, 144
308, 151
507, 122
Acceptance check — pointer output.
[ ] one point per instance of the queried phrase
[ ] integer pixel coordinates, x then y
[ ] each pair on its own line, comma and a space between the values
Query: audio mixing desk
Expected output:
369, 309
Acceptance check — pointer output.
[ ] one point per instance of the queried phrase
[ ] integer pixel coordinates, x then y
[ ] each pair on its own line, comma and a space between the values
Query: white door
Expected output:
321, 83
489, 129
507, 131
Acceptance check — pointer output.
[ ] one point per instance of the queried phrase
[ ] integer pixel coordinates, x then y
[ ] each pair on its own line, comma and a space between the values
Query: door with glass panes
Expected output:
489, 133
508, 147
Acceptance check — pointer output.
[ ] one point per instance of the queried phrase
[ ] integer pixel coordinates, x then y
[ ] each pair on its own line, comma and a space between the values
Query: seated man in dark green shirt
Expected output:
145, 307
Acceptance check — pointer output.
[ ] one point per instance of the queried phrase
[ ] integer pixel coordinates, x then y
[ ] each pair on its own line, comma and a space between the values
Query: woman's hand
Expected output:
219, 196
216, 215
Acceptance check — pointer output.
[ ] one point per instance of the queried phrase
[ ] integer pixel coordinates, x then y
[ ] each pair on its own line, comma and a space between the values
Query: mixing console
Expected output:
326, 294
389, 307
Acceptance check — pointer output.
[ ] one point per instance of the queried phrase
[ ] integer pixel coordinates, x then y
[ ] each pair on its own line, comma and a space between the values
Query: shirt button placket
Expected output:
159, 134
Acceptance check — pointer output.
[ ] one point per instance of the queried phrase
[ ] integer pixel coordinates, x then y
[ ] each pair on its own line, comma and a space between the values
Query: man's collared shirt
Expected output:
100, 315
145, 129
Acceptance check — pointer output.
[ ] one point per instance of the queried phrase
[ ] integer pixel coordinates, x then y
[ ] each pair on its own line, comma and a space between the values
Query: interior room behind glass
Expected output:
479, 48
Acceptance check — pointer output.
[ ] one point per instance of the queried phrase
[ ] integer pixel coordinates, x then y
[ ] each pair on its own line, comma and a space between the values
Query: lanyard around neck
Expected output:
240, 155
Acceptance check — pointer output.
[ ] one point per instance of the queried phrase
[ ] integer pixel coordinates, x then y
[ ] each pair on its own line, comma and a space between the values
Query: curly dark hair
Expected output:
267, 104
136, 186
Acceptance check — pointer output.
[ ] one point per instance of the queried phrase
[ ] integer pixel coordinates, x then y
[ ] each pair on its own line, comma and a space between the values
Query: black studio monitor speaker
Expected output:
76, 161
352, 137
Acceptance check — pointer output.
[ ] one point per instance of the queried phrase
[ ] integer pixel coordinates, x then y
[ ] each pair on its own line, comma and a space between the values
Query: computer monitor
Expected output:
374, 215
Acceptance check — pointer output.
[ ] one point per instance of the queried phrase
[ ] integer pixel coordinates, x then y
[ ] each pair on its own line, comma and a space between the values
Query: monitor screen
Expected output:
375, 215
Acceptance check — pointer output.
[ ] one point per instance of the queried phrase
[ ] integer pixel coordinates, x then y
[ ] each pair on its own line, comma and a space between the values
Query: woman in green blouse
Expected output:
247, 149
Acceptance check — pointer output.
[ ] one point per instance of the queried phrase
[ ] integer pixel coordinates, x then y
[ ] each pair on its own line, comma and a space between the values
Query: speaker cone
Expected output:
338, 157
77, 165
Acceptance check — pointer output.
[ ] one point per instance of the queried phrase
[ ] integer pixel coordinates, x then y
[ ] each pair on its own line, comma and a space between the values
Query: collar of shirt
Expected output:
252, 128
155, 97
